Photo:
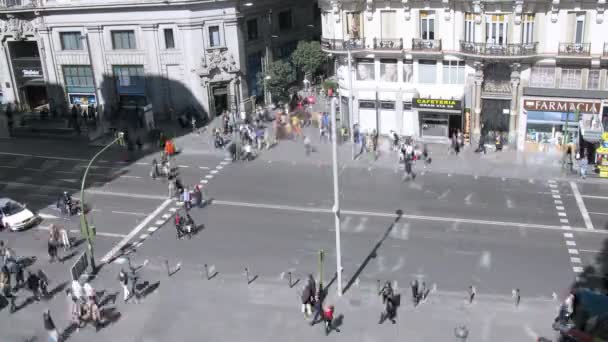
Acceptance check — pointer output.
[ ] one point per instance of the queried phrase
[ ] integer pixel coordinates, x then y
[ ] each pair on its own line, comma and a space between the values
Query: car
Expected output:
15, 216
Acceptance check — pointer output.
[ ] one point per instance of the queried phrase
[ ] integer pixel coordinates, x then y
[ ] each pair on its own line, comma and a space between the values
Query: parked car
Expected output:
15, 216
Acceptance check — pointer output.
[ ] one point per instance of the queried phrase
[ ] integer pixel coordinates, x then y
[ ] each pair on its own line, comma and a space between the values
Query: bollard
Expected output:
461, 333
247, 274
516, 297
207, 271
289, 279
168, 268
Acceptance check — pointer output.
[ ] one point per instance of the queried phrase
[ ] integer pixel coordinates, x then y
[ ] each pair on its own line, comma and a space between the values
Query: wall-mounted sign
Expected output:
436, 104
562, 106
35, 73
82, 99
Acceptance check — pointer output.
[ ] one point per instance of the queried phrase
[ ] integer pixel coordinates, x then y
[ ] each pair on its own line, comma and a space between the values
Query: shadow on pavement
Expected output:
374, 251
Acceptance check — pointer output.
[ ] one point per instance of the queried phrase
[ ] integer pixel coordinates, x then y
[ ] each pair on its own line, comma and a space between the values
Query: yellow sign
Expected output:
605, 136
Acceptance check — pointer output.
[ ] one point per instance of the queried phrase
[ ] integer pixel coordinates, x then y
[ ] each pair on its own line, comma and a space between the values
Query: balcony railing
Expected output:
343, 44
574, 49
21, 3
605, 53
426, 44
508, 50
388, 44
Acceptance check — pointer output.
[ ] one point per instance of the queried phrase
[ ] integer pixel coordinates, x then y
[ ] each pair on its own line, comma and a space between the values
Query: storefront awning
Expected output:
447, 111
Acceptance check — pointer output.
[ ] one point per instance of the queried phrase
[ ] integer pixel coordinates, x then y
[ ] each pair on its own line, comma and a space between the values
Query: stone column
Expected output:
477, 102
103, 83
514, 103
154, 79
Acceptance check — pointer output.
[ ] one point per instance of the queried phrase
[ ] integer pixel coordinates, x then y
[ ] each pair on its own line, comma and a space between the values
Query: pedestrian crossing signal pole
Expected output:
336, 209
88, 232
321, 259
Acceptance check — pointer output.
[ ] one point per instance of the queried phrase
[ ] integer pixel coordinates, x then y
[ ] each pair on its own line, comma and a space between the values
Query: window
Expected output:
169, 40
285, 20
367, 104
407, 105
387, 105
353, 25
453, 72
542, 77
252, 29
122, 40
427, 71
70, 40
427, 25
579, 29
527, 29
388, 25
254, 66
214, 36
366, 70
571, 78
593, 80
285, 50
388, 70
77, 76
129, 79
469, 28
496, 29
408, 71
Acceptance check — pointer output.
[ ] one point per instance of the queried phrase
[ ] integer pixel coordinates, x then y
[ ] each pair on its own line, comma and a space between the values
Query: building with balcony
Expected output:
429, 68
169, 53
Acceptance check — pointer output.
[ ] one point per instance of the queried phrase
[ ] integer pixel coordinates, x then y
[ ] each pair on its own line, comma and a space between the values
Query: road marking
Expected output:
561, 214
555, 191
140, 163
127, 176
581, 206
213, 172
227, 162
166, 216
467, 199
568, 235
557, 196
444, 195
47, 216
558, 202
596, 213
209, 176
159, 222
204, 181
404, 216
183, 166
152, 229
113, 235
575, 260
203, 168
570, 243
125, 194
143, 236
577, 269
8, 167
559, 208
551, 181
531, 181
510, 203
219, 167
595, 197
43, 157
573, 251
173, 209
553, 185
135, 231
128, 213
591, 251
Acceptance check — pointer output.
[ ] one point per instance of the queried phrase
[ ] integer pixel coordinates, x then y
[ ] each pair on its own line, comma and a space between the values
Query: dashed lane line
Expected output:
136, 231
100, 233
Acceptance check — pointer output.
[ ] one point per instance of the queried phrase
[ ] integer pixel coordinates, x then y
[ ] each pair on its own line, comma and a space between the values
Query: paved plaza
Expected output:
498, 221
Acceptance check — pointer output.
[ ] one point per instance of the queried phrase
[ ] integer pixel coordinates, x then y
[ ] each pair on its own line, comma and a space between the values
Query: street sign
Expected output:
80, 266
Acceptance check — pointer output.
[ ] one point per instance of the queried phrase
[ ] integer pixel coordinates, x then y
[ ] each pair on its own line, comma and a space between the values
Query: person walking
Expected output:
472, 293
307, 147
171, 188
52, 250
124, 281
307, 300
328, 319
186, 199
414, 286
33, 284
386, 291
49, 326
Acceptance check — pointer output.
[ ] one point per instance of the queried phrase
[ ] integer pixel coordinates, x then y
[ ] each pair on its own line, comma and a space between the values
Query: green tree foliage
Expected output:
308, 57
282, 75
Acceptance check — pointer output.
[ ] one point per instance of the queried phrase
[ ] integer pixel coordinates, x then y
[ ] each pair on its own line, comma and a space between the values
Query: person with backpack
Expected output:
124, 281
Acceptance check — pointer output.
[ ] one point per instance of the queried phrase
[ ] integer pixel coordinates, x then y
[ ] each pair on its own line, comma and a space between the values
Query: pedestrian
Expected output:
423, 291
307, 300
154, 170
414, 286
375, 143
89, 291
409, 172
33, 284
328, 318
77, 290
386, 291
171, 188
197, 196
363, 143
390, 310
49, 326
186, 198
307, 146
583, 163
52, 250
5, 287
43, 284
516, 297
124, 281
472, 293
65, 239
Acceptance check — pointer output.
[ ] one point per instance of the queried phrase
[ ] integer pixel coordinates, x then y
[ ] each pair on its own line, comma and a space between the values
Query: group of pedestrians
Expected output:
83, 305
313, 305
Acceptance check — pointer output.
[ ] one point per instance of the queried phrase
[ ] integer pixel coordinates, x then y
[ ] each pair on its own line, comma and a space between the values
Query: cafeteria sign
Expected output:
437, 104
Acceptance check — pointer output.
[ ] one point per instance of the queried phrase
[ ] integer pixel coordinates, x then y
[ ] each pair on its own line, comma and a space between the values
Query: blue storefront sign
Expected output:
82, 99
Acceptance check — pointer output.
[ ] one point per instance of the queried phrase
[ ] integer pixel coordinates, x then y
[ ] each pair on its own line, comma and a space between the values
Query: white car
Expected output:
15, 216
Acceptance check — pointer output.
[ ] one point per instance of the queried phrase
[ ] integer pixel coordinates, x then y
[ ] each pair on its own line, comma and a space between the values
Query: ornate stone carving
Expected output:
477, 9
218, 65
335, 8
601, 5
518, 8
446, 9
406, 9
554, 10
369, 9
18, 28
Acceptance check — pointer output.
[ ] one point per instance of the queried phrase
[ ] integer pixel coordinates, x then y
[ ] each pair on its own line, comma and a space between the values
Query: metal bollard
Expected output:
247, 274
168, 268
289, 274
461, 333
207, 271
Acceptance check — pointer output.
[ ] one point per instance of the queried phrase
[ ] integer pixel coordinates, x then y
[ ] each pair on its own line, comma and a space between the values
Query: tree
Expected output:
282, 75
308, 57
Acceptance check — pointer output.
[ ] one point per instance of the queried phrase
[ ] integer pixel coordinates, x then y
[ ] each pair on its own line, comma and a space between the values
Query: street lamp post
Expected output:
350, 103
267, 99
87, 232
336, 208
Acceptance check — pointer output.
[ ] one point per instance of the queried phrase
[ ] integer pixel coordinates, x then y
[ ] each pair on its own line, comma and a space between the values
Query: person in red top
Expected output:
328, 318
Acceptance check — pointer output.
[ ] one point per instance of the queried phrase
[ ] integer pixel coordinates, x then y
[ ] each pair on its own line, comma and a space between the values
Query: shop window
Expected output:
214, 36
70, 40
252, 29
593, 80
285, 22
571, 78
365, 70
388, 70
453, 72
389, 105
130, 79
367, 105
542, 77
123, 40
427, 71
169, 38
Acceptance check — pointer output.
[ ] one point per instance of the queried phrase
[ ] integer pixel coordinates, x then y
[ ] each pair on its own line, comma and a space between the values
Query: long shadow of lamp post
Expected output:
88, 232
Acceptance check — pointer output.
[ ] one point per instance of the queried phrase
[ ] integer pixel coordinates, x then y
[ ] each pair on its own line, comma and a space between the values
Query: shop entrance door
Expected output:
220, 99
434, 125
35, 96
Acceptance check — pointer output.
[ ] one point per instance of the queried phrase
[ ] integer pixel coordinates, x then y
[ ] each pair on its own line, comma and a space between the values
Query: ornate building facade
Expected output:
168, 54
528, 68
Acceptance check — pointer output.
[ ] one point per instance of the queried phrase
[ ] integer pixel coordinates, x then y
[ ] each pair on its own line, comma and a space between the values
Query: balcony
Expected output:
20, 3
508, 50
432, 45
343, 44
574, 49
388, 44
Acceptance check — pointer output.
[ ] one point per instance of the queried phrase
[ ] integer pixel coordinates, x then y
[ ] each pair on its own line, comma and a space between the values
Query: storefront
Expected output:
548, 123
79, 85
130, 85
28, 74
438, 117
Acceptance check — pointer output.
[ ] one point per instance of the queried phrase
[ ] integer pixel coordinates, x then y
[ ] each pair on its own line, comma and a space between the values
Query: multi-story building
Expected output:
428, 68
167, 53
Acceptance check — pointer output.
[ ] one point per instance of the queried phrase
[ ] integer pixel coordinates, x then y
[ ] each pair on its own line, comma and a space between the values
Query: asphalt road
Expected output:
274, 217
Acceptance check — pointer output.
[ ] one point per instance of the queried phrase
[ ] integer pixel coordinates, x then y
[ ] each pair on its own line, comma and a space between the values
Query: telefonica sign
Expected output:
437, 104
31, 73
562, 106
